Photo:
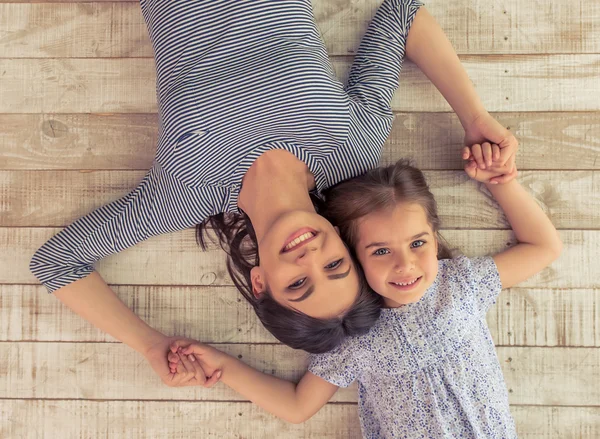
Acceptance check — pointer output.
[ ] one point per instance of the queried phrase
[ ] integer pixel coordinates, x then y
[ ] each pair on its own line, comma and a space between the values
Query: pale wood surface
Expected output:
566, 82
521, 317
101, 30
565, 140
534, 376
570, 198
174, 420
77, 95
176, 259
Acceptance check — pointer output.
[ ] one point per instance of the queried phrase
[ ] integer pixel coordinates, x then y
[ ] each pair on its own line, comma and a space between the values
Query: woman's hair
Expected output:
295, 329
381, 189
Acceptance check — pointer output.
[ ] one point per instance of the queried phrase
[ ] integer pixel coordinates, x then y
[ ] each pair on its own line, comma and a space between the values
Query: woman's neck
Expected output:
276, 183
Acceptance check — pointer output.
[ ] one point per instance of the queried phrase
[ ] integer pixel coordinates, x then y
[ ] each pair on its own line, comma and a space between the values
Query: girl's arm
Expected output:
292, 402
538, 241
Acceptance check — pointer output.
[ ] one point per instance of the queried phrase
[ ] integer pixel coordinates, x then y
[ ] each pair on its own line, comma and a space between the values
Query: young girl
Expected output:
428, 368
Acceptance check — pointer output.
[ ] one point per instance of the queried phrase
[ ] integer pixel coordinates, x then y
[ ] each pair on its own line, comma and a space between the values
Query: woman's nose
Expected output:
308, 250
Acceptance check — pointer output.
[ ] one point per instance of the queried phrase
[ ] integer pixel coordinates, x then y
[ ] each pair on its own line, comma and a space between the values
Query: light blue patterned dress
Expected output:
429, 369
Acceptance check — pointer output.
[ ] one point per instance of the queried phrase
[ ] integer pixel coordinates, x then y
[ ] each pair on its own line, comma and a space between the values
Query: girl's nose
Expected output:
403, 263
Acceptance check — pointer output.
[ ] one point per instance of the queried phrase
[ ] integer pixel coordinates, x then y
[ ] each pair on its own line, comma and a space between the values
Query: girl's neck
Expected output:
276, 183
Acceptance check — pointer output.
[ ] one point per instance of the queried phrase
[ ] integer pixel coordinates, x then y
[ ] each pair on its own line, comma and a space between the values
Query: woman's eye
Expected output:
297, 284
381, 252
334, 264
417, 243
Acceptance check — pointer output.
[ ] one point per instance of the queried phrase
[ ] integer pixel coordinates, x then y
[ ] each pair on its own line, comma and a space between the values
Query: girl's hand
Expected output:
484, 128
187, 374
494, 174
209, 359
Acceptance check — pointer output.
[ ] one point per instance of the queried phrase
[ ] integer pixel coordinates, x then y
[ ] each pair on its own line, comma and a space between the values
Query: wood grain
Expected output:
564, 140
117, 29
534, 376
127, 85
175, 259
571, 199
521, 317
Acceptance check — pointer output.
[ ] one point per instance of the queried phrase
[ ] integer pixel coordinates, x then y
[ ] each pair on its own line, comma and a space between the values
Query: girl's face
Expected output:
398, 251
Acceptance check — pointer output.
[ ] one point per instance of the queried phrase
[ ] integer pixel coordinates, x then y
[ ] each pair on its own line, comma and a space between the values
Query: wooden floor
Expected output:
78, 127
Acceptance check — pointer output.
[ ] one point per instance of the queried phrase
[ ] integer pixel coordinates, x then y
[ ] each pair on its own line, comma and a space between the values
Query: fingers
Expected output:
466, 153
486, 149
471, 169
477, 154
177, 344
214, 379
504, 178
193, 365
495, 152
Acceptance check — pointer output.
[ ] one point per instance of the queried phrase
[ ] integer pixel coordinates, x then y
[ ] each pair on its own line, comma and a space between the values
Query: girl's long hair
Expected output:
382, 189
236, 236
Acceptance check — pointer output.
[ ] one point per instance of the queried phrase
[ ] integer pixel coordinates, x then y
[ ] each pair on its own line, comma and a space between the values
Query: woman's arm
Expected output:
429, 48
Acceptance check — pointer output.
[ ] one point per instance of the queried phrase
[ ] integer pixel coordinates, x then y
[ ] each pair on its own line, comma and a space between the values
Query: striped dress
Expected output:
236, 78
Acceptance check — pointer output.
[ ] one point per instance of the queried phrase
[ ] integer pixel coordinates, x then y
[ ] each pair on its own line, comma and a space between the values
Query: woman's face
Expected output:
398, 252
306, 266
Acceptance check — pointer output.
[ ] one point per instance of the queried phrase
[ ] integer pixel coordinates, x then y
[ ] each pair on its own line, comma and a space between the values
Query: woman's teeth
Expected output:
298, 240
403, 284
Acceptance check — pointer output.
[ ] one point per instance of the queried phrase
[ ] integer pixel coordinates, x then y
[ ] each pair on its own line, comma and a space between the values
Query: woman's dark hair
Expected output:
236, 236
381, 189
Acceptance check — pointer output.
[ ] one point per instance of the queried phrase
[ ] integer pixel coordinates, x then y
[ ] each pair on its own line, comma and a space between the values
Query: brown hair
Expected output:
380, 189
297, 330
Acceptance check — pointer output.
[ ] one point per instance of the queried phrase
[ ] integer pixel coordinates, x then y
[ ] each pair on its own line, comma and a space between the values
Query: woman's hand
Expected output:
209, 359
494, 174
187, 373
484, 128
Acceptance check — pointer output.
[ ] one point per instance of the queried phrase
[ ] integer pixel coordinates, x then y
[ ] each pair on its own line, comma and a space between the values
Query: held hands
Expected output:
187, 374
490, 145
493, 173
195, 363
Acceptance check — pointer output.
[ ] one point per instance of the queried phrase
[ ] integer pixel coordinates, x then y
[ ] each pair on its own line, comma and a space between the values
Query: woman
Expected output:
252, 119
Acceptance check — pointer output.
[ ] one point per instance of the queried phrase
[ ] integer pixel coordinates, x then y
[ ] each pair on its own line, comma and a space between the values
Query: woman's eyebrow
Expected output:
381, 244
311, 289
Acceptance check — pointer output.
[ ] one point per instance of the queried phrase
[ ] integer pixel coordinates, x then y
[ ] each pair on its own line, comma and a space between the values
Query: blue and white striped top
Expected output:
236, 79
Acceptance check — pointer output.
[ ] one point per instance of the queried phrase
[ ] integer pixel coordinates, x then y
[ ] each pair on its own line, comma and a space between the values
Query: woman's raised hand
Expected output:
485, 130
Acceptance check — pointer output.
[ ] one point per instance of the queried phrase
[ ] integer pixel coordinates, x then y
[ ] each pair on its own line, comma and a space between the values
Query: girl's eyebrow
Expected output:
381, 244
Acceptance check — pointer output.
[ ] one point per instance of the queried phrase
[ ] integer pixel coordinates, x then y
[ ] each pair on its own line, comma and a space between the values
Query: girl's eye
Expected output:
381, 252
417, 243
334, 264
297, 284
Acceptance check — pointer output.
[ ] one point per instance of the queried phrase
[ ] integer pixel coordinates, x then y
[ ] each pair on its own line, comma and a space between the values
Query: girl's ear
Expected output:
258, 283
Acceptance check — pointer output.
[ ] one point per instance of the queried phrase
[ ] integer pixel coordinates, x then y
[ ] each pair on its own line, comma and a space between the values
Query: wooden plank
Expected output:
99, 30
175, 259
432, 140
557, 422
50, 419
505, 83
546, 317
174, 419
534, 376
570, 198
521, 317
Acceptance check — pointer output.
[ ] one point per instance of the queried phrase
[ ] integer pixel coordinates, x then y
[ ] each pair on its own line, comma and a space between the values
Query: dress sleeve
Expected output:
482, 280
374, 75
338, 367
160, 204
